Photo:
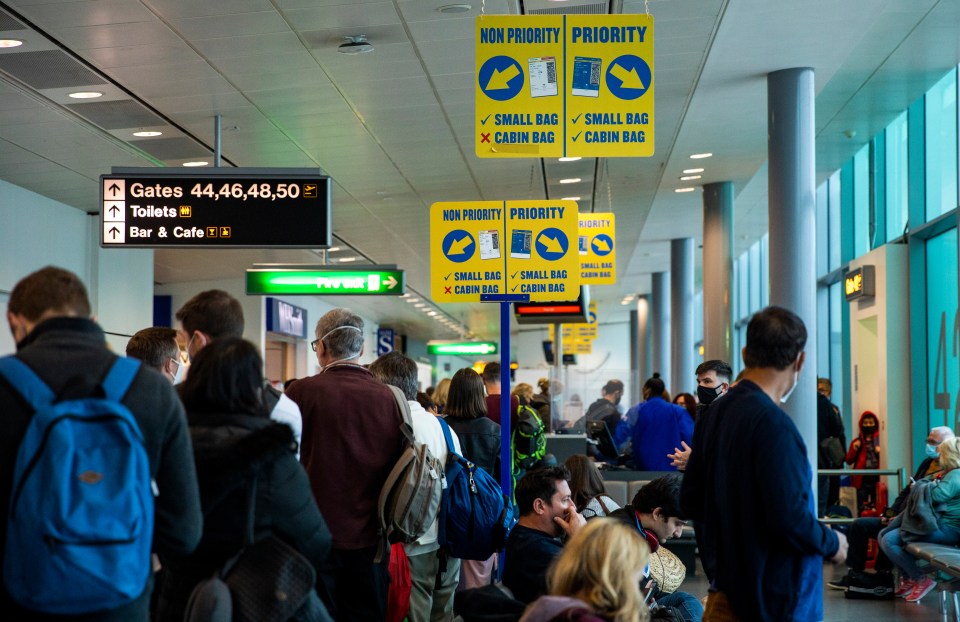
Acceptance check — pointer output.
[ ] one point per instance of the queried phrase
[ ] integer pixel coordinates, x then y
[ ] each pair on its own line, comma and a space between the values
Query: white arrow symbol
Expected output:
390, 282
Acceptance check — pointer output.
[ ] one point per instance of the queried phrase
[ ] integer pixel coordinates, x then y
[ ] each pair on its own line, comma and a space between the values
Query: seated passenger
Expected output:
546, 513
655, 513
945, 497
867, 527
595, 579
236, 447
586, 486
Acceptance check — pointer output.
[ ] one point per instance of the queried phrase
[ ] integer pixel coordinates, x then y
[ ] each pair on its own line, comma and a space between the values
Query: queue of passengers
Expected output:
218, 454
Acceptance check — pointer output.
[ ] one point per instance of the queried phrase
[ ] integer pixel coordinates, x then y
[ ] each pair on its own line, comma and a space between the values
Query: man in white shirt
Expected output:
431, 596
215, 314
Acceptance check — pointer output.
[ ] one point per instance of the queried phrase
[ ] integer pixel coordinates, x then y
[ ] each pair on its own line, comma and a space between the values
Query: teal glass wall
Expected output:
940, 108
943, 331
896, 171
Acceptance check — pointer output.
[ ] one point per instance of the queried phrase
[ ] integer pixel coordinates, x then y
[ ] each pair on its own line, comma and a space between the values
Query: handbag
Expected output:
667, 569
267, 581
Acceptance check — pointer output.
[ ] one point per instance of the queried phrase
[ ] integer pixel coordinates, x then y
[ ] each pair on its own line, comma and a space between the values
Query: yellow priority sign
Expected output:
504, 247
598, 250
564, 85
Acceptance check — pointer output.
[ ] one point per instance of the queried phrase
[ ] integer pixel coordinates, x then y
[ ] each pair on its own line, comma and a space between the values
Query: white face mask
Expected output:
181, 372
796, 380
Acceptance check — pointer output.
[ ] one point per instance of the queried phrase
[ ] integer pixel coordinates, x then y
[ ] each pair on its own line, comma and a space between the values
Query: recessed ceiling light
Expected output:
412, 299
689, 177
684, 189
691, 171
196, 164
432, 313
346, 259
10, 43
571, 159
420, 304
570, 199
454, 8
147, 134
700, 156
333, 249
86, 94
571, 180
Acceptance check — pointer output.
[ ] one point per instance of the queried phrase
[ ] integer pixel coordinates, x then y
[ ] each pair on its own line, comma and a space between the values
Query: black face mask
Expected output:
706, 395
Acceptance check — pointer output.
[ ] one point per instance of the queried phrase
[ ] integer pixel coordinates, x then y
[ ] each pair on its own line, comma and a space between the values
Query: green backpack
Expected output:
528, 440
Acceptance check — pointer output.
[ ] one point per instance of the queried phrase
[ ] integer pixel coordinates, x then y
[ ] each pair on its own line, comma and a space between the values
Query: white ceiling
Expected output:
394, 128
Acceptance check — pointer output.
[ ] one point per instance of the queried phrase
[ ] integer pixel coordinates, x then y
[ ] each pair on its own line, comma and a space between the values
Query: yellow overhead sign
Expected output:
598, 249
564, 85
504, 247
579, 333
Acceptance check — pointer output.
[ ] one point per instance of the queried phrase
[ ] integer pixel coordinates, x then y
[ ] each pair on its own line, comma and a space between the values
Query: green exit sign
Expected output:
465, 347
375, 281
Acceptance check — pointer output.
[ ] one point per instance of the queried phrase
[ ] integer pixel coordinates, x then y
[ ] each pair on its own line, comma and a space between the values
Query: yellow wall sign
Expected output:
504, 247
598, 249
564, 85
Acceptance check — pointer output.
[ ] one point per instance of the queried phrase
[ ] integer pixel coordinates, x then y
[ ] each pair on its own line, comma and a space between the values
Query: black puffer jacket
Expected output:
230, 451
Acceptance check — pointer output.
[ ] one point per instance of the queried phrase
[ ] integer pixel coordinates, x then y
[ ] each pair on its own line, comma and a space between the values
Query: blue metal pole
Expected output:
506, 447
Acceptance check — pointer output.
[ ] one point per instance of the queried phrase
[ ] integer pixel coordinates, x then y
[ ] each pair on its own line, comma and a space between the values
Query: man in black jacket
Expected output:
748, 480
49, 316
832, 446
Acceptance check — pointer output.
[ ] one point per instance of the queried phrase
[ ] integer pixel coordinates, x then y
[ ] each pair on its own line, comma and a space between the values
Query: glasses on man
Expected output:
313, 344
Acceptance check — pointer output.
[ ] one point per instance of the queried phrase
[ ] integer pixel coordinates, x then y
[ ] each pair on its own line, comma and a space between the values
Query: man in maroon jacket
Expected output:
351, 440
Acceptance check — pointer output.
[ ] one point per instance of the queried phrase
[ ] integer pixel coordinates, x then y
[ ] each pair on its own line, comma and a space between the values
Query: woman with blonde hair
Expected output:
596, 578
440, 394
523, 392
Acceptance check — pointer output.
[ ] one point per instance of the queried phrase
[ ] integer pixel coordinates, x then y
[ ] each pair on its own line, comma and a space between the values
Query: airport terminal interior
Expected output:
383, 98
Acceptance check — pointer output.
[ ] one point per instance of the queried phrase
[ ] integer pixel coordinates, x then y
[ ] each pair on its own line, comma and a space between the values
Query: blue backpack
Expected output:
475, 516
80, 522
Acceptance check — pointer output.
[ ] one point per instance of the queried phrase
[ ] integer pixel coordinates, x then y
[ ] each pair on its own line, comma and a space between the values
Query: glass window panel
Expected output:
764, 270
943, 330
837, 372
833, 216
861, 201
754, 277
823, 227
895, 137
940, 107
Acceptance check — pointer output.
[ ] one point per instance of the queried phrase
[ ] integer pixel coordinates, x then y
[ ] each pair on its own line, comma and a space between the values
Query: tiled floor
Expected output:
838, 609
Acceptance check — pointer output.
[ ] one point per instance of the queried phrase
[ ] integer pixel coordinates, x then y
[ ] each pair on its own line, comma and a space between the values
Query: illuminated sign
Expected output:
224, 208
555, 312
860, 283
286, 319
461, 348
373, 281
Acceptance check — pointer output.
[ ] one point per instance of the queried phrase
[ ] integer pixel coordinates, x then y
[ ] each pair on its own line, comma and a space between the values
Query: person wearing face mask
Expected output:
658, 426
867, 527
157, 347
748, 481
713, 381
864, 453
351, 441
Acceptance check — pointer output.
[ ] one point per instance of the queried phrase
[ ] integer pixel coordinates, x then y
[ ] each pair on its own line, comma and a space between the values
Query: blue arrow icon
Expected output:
629, 77
552, 244
602, 244
458, 246
500, 78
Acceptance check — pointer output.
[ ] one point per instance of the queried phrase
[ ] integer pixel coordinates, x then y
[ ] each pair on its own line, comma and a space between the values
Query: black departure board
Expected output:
220, 208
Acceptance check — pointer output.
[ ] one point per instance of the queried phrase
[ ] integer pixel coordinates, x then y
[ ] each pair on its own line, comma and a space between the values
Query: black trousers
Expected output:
858, 536
357, 585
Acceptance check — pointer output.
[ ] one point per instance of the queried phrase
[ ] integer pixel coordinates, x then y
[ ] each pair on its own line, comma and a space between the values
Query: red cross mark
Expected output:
448, 290
484, 138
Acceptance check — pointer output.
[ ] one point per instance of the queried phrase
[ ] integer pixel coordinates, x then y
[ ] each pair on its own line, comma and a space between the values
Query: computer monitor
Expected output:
598, 432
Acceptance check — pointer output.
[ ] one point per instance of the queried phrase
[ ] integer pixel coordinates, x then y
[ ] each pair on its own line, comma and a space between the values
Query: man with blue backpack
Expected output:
96, 471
